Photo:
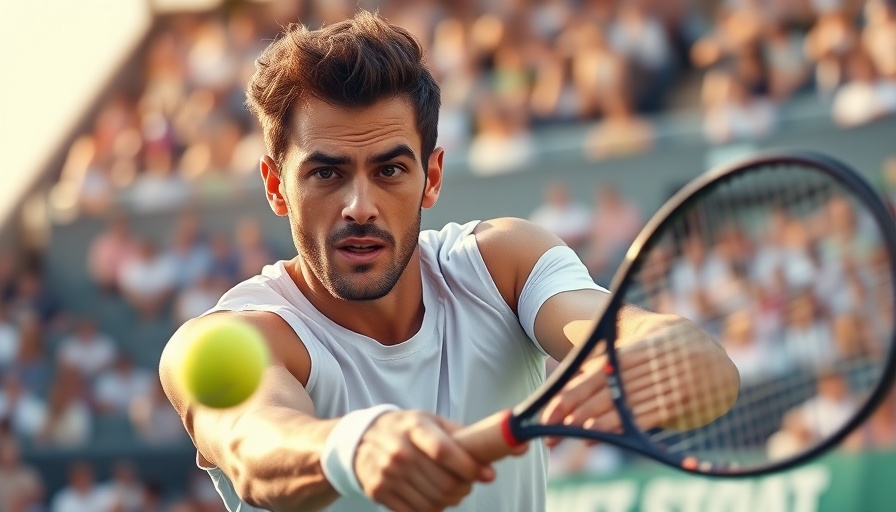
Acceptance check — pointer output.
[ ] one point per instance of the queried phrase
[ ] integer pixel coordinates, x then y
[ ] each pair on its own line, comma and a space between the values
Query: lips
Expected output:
360, 250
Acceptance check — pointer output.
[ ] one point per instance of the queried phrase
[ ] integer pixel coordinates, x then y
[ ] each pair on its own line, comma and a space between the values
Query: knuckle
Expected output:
441, 451
378, 490
396, 458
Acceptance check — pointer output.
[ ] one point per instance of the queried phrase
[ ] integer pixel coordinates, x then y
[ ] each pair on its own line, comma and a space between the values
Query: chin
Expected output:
361, 287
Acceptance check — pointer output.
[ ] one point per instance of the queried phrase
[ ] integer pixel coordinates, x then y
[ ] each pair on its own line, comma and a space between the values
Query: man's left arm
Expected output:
690, 361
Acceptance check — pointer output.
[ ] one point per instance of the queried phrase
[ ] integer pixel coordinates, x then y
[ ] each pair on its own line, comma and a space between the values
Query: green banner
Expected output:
840, 482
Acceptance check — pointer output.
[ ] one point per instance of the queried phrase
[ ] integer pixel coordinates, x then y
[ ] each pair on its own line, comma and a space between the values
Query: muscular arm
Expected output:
269, 446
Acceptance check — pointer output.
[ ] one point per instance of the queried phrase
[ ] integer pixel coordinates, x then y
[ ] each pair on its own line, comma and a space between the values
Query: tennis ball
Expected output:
224, 362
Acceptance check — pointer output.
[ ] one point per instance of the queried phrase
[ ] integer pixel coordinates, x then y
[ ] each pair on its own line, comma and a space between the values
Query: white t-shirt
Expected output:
148, 278
68, 500
569, 222
448, 367
117, 390
88, 356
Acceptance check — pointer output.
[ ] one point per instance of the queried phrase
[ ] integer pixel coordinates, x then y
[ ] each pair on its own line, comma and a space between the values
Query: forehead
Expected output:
352, 131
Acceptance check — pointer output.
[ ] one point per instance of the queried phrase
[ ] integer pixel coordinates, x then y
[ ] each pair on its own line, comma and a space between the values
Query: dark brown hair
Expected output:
353, 63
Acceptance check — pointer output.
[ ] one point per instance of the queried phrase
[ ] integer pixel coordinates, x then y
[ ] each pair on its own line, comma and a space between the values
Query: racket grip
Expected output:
490, 439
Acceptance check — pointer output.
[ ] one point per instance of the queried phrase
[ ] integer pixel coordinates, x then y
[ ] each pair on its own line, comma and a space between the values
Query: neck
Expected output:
389, 320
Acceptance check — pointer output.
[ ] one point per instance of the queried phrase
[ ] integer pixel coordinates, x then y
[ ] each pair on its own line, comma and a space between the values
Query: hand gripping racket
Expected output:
786, 260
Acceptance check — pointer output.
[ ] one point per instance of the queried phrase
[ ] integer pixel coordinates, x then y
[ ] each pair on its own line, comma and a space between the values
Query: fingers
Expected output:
580, 388
438, 445
408, 461
408, 498
441, 486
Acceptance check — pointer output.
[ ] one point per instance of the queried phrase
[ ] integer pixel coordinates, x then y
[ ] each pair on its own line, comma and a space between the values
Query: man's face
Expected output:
353, 186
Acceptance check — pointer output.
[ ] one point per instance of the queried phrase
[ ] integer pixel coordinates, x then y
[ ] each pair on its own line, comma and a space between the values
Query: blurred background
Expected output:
131, 199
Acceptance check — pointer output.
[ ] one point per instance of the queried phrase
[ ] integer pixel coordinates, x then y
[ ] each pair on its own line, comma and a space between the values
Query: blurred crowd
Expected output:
123, 489
65, 384
177, 129
792, 314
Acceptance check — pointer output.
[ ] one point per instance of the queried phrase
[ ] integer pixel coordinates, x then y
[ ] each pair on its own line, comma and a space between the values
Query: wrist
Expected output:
338, 454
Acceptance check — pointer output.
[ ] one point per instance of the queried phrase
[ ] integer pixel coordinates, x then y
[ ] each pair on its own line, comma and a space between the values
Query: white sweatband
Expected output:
558, 270
338, 456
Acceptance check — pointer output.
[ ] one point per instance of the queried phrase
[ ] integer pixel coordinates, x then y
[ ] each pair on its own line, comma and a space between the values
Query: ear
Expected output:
273, 187
433, 178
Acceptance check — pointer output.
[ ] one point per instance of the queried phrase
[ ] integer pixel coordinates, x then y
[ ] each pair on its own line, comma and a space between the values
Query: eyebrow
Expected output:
401, 150
391, 154
319, 157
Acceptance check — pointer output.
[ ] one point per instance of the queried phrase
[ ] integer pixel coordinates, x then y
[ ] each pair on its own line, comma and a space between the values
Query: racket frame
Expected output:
522, 421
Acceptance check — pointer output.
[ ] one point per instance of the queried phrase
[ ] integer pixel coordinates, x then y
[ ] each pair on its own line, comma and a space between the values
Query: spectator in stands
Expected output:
564, 216
160, 187
832, 38
788, 68
865, 97
189, 253
502, 142
10, 339
116, 389
109, 251
599, 72
21, 486
639, 37
740, 343
22, 408
879, 36
199, 297
808, 339
154, 420
224, 265
732, 112
252, 251
792, 438
87, 350
123, 492
853, 337
33, 297
689, 279
830, 408
81, 494
68, 422
147, 280
621, 132
613, 227
32, 366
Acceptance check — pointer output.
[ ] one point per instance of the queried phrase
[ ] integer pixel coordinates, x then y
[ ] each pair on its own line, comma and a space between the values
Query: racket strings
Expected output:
791, 277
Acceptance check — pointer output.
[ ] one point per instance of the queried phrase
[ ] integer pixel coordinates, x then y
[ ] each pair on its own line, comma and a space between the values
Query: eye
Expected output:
325, 173
391, 171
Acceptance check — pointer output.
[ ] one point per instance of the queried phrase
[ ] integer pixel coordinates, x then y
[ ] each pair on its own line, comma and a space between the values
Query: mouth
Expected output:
360, 250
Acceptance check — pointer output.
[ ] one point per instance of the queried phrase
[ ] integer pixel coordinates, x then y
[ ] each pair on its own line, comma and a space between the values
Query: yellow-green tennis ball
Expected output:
224, 362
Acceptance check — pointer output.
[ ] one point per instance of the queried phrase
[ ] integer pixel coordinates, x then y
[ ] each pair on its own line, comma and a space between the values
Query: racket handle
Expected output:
490, 439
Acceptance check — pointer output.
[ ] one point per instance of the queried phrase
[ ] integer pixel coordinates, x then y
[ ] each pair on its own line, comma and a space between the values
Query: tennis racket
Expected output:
786, 260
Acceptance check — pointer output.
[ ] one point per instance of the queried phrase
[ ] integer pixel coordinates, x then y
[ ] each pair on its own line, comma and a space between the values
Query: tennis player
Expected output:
387, 339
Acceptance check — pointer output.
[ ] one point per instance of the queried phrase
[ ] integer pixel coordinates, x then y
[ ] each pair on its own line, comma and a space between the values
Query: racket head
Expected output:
738, 443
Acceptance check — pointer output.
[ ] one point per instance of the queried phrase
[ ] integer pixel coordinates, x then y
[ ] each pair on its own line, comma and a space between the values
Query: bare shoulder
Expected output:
510, 248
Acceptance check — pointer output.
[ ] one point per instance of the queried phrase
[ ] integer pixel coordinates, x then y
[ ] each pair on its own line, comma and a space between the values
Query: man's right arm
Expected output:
270, 447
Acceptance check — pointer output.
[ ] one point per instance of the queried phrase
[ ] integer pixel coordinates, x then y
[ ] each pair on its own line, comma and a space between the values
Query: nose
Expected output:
360, 206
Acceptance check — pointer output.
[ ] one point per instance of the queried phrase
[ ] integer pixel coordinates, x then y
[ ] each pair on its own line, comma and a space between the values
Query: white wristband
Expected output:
338, 456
